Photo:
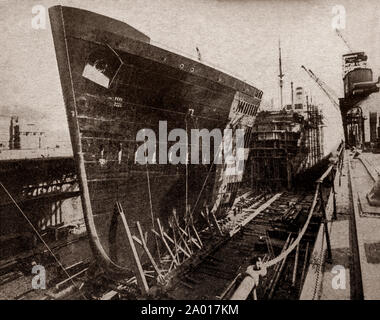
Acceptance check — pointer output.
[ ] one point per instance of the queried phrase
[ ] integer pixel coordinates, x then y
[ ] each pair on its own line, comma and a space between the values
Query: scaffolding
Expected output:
284, 144
314, 133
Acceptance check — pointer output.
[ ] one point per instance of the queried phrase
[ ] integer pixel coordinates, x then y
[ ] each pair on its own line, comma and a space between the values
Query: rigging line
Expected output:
231, 122
42, 240
205, 181
187, 211
187, 169
151, 207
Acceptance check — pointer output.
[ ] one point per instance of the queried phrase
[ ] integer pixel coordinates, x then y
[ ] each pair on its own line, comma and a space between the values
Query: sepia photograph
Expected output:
205, 151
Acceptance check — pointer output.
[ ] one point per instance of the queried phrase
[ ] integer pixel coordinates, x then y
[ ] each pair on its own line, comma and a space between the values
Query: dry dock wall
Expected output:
47, 192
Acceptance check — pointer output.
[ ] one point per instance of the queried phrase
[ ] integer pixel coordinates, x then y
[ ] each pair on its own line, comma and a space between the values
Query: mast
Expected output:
281, 75
291, 86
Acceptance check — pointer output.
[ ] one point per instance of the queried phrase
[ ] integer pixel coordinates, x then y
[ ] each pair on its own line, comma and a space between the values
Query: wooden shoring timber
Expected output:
197, 235
137, 240
173, 257
171, 266
206, 217
180, 234
191, 222
191, 239
175, 242
179, 247
145, 247
165, 243
215, 221
136, 265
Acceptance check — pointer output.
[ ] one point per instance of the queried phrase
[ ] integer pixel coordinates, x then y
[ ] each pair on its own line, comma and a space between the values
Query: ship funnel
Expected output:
300, 99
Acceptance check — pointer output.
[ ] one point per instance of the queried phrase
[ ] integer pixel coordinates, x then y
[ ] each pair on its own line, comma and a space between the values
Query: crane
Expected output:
323, 87
343, 39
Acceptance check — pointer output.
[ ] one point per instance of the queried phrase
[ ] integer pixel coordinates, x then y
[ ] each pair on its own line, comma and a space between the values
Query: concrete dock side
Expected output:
368, 226
354, 270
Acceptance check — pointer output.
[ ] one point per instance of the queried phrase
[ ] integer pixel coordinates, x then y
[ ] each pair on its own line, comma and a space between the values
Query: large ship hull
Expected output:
114, 84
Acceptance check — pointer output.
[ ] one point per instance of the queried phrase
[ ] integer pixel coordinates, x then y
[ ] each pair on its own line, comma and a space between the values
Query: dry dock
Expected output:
264, 228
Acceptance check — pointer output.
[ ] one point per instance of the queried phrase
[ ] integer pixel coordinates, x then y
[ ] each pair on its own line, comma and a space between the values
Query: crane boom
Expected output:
343, 39
322, 86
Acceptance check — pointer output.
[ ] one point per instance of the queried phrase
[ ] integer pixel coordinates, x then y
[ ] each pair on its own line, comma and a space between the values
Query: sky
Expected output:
237, 36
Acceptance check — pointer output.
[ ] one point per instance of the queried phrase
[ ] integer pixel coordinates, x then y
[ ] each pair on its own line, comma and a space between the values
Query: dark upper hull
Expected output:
139, 86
